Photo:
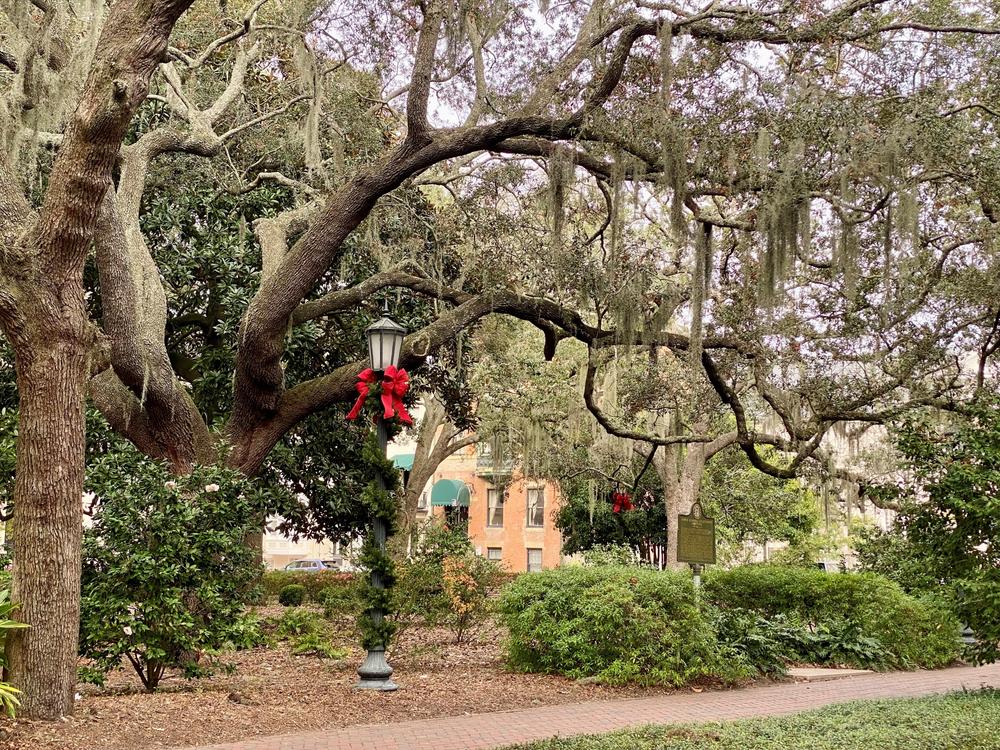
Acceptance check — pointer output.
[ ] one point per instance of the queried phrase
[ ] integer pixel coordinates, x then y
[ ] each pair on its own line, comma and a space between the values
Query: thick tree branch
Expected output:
135, 314
131, 45
423, 68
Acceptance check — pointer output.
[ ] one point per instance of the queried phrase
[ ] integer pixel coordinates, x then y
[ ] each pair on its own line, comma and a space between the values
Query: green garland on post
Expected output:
382, 504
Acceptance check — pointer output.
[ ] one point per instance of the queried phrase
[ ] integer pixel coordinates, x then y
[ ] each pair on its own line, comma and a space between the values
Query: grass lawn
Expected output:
960, 721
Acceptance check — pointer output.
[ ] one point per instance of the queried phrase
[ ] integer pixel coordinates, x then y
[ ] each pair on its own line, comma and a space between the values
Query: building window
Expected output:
536, 507
494, 553
422, 502
534, 560
494, 507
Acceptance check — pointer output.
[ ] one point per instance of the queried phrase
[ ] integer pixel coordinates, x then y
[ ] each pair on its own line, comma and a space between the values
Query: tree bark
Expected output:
48, 523
681, 481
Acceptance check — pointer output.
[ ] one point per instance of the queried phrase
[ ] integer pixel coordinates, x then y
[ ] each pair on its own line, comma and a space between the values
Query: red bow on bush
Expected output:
622, 501
395, 384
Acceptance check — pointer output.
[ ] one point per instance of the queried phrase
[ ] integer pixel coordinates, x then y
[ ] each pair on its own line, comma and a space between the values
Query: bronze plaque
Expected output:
695, 537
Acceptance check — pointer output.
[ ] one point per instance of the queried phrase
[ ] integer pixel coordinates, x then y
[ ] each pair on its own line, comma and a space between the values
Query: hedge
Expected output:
625, 624
911, 632
615, 624
275, 580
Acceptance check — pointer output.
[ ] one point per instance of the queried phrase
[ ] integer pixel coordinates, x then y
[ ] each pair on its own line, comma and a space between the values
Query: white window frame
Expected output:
491, 550
494, 492
541, 563
527, 510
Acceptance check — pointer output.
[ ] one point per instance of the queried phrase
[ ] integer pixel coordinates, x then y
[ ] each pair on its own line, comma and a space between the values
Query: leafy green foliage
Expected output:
315, 644
166, 572
307, 634
381, 501
615, 624
752, 507
585, 524
8, 693
315, 583
340, 600
948, 531
296, 621
863, 620
755, 640
246, 633
443, 582
292, 595
965, 721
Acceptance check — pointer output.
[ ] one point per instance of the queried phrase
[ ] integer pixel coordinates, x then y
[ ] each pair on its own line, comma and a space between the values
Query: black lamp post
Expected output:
385, 344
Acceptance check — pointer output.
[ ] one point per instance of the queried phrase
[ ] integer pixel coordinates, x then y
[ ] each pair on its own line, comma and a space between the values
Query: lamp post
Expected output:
385, 344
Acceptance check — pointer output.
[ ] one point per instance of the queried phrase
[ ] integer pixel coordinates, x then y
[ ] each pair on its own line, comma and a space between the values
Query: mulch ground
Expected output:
275, 692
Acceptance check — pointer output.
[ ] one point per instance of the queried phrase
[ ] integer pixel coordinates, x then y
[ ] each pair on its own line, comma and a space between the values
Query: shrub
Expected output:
468, 582
316, 644
296, 622
246, 633
340, 600
166, 572
8, 693
292, 595
445, 583
307, 634
759, 643
617, 624
273, 581
860, 619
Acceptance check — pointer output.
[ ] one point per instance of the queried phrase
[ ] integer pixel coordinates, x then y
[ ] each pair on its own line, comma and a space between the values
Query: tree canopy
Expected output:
777, 214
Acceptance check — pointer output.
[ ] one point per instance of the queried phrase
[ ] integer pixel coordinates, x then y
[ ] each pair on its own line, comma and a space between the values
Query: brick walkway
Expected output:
480, 731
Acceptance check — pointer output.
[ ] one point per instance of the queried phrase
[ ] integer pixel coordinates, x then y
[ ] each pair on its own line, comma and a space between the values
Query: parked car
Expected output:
312, 566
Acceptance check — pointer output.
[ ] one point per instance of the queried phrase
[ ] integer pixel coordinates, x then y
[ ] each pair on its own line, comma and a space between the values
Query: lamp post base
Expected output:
375, 673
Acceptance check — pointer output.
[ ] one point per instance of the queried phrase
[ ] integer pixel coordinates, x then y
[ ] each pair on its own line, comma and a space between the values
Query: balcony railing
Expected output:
489, 465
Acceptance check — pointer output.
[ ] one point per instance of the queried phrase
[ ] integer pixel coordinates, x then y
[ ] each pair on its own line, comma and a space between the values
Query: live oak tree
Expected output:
836, 152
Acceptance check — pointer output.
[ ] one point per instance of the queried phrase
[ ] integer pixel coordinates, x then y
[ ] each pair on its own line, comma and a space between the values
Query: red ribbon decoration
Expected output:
366, 379
622, 501
395, 384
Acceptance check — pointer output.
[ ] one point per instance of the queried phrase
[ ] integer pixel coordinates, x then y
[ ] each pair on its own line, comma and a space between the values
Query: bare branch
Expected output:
242, 30
612, 429
265, 117
236, 78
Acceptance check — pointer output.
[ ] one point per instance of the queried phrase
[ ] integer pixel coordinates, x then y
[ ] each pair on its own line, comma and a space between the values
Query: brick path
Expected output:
480, 731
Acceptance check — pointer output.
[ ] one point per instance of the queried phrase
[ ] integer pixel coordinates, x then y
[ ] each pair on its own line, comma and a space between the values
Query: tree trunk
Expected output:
48, 519
680, 477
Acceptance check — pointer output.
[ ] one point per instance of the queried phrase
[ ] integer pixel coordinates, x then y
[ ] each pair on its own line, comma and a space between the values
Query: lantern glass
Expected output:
385, 343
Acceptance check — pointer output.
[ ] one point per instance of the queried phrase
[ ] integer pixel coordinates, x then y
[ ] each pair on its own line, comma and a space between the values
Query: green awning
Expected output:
403, 461
450, 493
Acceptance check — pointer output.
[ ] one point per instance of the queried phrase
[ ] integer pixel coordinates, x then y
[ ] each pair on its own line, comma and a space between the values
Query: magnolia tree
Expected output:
817, 173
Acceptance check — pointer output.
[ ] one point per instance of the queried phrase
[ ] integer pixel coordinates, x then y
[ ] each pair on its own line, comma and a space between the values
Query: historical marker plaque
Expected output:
695, 537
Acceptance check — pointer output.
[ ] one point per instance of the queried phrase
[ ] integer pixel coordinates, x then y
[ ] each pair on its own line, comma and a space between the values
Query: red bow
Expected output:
622, 501
366, 379
395, 384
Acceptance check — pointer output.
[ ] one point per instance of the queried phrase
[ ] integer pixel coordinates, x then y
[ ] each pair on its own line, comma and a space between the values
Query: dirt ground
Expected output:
274, 692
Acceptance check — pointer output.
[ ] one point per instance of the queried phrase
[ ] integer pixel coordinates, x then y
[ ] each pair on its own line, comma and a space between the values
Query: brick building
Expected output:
509, 518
